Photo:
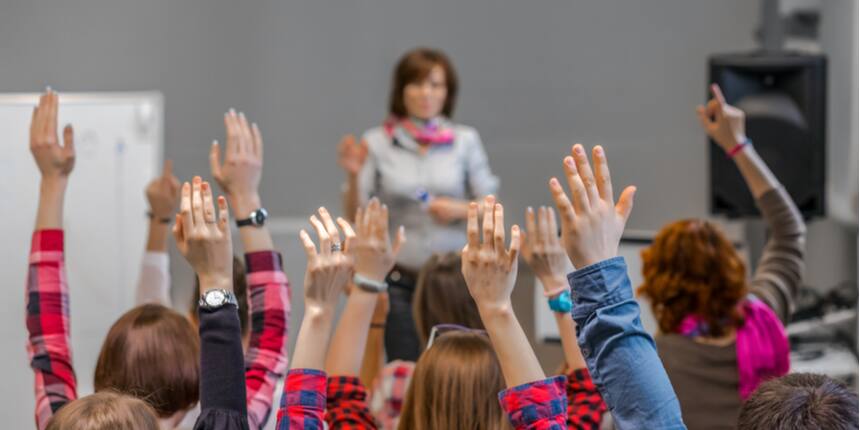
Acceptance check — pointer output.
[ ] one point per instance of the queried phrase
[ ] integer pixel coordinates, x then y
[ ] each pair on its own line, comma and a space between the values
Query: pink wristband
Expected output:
734, 151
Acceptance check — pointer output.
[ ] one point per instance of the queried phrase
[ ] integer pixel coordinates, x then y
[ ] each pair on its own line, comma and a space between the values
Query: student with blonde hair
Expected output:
105, 410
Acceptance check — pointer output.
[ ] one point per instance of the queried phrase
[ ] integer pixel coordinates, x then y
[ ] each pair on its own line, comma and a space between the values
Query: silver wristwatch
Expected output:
215, 298
369, 285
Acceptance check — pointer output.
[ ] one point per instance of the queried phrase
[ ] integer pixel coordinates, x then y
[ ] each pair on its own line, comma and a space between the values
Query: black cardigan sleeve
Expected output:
222, 371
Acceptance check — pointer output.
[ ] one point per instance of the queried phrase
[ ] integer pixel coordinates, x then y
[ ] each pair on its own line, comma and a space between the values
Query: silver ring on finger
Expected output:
335, 247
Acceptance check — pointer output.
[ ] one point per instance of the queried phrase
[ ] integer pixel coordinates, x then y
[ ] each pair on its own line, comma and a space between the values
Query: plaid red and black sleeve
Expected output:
389, 393
48, 343
303, 402
266, 358
346, 400
585, 407
539, 405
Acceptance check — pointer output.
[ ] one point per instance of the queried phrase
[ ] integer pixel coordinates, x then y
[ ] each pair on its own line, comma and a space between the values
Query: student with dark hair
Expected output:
800, 401
426, 168
131, 353
262, 291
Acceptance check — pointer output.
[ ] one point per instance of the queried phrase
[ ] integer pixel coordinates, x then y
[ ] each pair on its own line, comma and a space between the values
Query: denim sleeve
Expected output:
621, 356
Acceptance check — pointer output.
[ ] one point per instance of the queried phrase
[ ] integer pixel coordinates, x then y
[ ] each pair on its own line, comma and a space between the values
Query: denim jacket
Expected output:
621, 356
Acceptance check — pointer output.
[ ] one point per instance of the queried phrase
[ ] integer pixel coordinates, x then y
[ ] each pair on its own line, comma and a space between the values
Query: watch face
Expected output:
214, 297
260, 216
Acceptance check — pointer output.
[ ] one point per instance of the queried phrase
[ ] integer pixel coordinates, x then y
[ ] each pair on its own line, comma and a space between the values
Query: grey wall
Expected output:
536, 77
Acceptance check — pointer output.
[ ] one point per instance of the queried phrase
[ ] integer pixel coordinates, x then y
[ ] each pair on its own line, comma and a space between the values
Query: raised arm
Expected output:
490, 271
204, 240
543, 251
162, 193
328, 272
239, 176
374, 256
48, 342
621, 356
780, 269
351, 157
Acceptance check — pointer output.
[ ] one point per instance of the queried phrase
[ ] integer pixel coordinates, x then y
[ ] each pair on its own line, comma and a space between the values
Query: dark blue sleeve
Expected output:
222, 371
621, 356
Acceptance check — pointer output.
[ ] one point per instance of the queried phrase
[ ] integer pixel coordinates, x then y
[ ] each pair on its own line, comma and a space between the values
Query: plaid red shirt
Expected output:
585, 407
346, 401
538, 405
266, 357
303, 402
48, 343
389, 393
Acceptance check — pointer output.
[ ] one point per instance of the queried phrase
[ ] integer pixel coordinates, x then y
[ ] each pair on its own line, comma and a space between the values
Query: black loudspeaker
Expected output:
784, 98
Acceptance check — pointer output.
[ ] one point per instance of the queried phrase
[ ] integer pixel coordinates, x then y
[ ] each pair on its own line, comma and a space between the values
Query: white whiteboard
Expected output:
119, 141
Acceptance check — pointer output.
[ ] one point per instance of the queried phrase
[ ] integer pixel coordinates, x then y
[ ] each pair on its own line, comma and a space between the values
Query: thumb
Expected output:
215, 160
69, 140
625, 203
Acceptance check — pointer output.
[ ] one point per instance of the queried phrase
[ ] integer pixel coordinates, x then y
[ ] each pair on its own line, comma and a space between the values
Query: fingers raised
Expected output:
565, 208
472, 231
577, 188
585, 174
322, 234
602, 176
499, 228
487, 226
197, 202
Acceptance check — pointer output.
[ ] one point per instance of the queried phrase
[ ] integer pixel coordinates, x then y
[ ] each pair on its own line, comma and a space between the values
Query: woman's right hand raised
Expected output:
721, 121
55, 161
330, 269
351, 155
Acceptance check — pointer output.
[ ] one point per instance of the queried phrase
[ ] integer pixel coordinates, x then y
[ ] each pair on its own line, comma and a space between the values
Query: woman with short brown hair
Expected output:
425, 168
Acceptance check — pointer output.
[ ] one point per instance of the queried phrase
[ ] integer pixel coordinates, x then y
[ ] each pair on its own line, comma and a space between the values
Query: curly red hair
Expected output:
692, 268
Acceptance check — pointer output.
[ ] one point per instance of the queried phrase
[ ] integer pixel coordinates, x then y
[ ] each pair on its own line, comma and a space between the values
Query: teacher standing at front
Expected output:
425, 168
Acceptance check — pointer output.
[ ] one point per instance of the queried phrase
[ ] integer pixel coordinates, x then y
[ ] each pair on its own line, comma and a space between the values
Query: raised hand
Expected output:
351, 156
489, 268
54, 161
373, 251
162, 193
722, 122
542, 250
592, 224
445, 210
239, 174
331, 268
203, 239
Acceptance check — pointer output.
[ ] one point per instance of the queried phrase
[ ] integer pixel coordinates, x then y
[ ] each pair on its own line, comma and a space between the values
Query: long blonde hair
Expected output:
455, 386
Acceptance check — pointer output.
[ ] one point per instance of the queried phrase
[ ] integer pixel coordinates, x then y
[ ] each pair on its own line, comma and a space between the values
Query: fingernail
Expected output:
242, 115
232, 111
48, 89
553, 181
215, 142
577, 148
598, 150
568, 161
530, 209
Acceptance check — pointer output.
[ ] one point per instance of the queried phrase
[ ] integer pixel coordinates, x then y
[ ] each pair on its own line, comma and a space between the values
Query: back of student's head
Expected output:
800, 401
442, 297
240, 290
105, 410
153, 353
692, 268
455, 386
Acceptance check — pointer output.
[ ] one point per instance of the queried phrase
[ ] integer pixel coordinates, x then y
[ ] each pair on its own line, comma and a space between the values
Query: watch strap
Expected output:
369, 285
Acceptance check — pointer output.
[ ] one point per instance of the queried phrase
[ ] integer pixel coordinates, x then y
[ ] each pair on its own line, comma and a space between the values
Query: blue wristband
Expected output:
561, 303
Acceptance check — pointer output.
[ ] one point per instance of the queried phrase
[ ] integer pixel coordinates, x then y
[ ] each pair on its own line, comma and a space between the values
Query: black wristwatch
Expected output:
256, 219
